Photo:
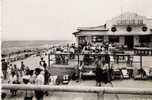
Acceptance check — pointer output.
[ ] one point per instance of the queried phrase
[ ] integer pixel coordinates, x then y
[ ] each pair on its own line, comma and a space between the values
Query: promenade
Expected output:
33, 62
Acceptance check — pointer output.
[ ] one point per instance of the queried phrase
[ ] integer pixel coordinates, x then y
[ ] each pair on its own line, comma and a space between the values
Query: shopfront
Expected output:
129, 29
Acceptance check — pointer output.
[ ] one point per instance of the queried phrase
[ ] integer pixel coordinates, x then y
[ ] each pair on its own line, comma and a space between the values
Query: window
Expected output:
144, 28
81, 39
114, 39
113, 29
97, 38
129, 29
143, 39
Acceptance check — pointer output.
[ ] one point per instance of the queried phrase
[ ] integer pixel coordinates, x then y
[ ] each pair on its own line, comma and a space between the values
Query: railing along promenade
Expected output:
100, 91
137, 52
129, 56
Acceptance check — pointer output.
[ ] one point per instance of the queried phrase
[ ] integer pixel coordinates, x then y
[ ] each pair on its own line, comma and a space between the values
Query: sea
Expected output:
12, 46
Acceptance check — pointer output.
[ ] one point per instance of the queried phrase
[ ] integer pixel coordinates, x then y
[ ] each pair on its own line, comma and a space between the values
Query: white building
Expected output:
128, 29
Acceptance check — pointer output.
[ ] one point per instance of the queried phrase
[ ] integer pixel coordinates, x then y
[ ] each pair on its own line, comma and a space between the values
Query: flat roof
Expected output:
98, 28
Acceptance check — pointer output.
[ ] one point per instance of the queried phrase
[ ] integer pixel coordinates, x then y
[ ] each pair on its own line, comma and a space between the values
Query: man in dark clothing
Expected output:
44, 64
107, 58
46, 76
4, 68
22, 66
99, 76
22, 69
108, 71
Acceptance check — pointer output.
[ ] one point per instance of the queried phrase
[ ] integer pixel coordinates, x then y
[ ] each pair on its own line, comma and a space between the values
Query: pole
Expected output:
141, 65
78, 59
49, 61
141, 61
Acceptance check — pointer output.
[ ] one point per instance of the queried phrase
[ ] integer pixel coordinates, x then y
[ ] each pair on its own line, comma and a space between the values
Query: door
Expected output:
129, 42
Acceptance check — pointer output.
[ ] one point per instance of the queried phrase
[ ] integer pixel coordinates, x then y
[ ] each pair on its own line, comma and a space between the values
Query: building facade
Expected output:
129, 29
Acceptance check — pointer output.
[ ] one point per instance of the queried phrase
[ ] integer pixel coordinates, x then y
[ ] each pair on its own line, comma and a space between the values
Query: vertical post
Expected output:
49, 60
100, 96
128, 59
141, 65
117, 59
141, 61
78, 58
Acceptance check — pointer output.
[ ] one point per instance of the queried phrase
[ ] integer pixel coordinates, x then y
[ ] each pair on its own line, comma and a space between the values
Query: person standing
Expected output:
13, 80
9, 71
71, 52
4, 68
99, 76
81, 69
46, 77
109, 70
28, 93
16, 70
86, 55
39, 81
42, 62
81, 58
22, 69
107, 58
105, 73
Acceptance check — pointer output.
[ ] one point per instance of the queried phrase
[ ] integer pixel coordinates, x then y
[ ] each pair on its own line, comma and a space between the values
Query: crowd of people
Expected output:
40, 76
99, 56
88, 54
65, 53
24, 75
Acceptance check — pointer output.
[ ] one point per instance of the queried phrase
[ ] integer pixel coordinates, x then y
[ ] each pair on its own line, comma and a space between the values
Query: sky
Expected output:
58, 19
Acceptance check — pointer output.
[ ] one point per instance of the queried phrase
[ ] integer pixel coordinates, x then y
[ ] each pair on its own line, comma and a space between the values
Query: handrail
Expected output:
86, 89
51, 88
95, 54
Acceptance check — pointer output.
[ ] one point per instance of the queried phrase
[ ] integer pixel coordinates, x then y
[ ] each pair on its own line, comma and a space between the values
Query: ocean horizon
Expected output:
15, 45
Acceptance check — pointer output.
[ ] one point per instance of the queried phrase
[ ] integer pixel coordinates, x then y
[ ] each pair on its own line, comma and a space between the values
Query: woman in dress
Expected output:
99, 66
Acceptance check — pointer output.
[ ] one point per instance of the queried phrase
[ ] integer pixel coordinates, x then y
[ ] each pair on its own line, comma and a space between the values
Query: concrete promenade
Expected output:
33, 62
